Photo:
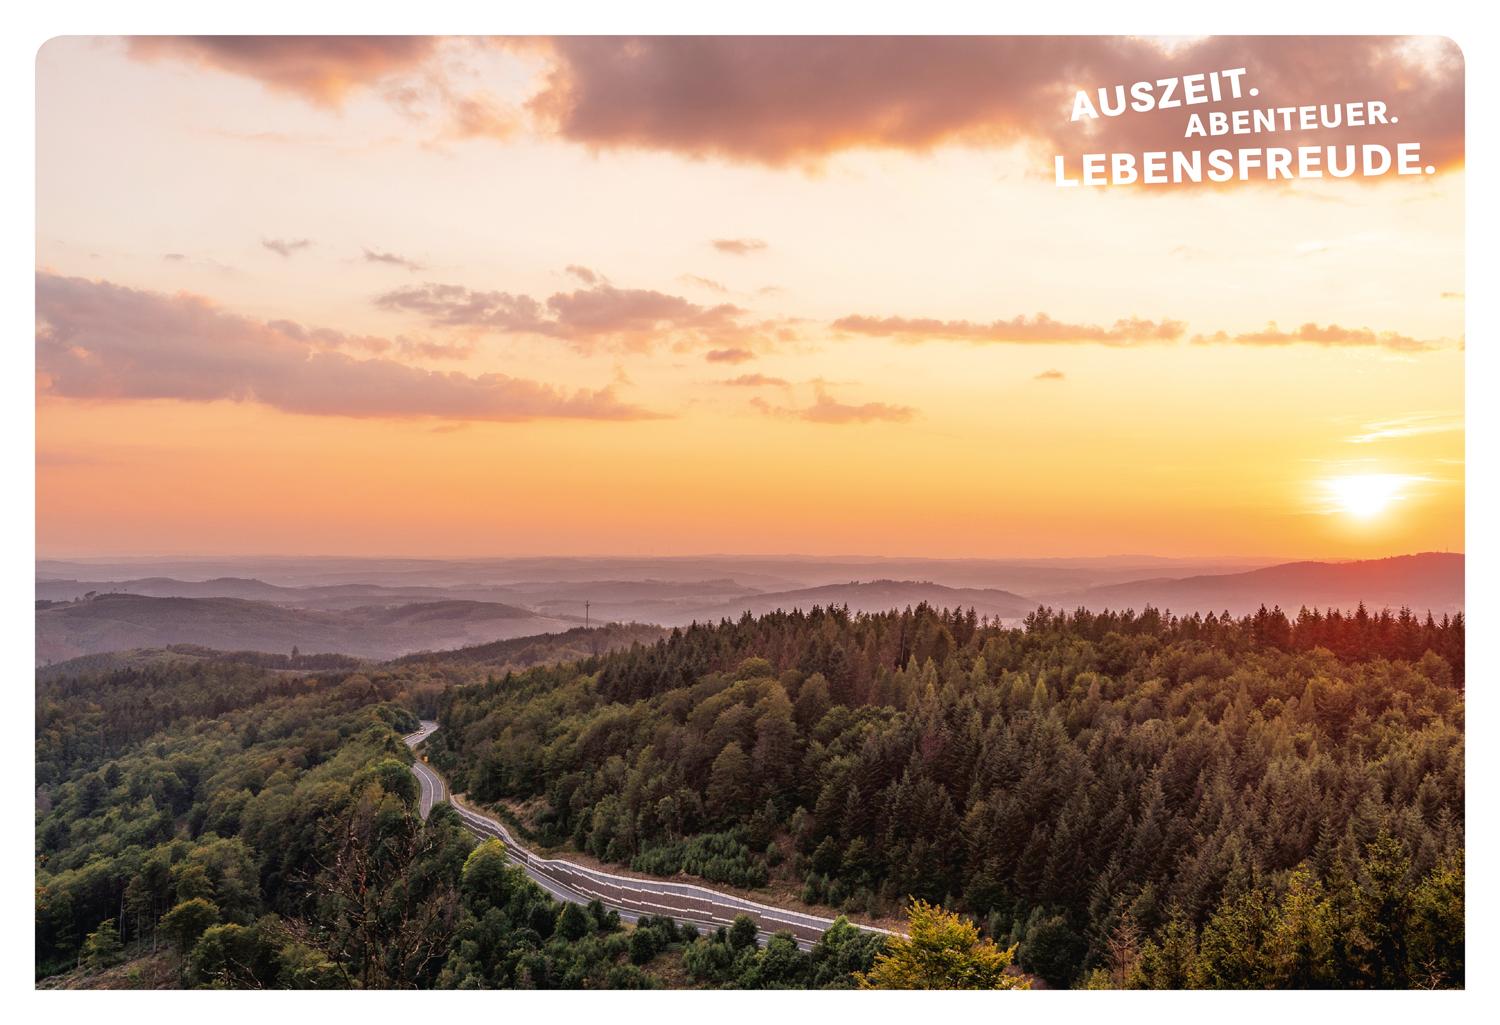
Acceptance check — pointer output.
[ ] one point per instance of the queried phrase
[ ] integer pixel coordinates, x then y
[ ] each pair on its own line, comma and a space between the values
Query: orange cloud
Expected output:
1021, 330
1313, 334
325, 70
738, 246
828, 410
757, 381
320, 69
98, 340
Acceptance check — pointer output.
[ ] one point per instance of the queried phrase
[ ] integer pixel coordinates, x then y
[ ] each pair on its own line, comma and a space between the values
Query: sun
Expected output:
1367, 495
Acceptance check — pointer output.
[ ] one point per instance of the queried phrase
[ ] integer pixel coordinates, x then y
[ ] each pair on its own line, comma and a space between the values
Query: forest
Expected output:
1127, 800
208, 823
1086, 800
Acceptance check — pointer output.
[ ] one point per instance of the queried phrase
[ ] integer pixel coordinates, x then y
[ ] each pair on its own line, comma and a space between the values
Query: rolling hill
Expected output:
1431, 581
112, 622
869, 596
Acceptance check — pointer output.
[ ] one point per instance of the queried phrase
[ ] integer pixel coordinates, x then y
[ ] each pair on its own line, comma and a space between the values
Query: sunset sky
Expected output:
461, 298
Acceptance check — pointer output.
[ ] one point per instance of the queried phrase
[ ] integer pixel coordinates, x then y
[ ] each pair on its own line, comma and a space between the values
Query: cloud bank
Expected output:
97, 340
797, 100
1021, 330
1332, 336
633, 318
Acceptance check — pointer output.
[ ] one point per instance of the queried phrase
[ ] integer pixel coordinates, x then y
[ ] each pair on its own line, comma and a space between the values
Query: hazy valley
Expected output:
382, 609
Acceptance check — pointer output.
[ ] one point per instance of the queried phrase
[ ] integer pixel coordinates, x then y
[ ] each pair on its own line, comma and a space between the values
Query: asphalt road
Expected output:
631, 896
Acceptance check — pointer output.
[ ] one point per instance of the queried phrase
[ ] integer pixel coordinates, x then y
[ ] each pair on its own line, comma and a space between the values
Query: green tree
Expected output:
743, 933
572, 922
1435, 934
729, 781
102, 947
940, 951
187, 921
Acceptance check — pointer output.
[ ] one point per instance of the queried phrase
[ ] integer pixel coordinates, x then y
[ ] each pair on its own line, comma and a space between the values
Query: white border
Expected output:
32, 24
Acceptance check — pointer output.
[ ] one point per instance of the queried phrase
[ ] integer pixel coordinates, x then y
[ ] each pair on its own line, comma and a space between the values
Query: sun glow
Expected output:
1367, 495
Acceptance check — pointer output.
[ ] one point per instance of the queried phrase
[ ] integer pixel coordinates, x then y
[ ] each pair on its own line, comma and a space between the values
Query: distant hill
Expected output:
1432, 581
611, 600
870, 596
327, 597
113, 622
519, 653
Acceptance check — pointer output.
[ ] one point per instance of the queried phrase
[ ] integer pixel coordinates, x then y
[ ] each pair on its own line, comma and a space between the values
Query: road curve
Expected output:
631, 896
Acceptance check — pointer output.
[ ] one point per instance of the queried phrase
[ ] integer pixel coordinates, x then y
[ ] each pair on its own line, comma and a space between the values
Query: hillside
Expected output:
871, 596
1432, 581
112, 622
1132, 801
523, 652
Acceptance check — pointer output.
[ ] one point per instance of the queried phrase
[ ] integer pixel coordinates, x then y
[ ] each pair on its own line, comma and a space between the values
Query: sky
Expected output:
461, 297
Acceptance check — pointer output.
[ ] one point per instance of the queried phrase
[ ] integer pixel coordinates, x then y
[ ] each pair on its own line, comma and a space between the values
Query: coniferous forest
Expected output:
1129, 800
1088, 800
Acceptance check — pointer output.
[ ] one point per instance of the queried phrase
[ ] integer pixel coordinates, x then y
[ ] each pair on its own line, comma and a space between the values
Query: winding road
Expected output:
631, 896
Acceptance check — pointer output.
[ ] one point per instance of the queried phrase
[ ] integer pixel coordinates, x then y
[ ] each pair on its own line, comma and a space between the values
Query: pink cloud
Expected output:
731, 355
799, 99
828, 410
98, 340
633, 318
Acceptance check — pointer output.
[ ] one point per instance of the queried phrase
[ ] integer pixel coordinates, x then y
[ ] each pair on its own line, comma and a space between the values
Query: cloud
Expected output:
738, 246
1332, 336
708, 283
174, 257
1050, 375
757, 381
633, 318
1450, 295
285, 246
97, 340
394, 259
479, 116
583, 274
729, 355
1408, 426
1021, 330
1126, 333
828, 410
323, 70
408, 72
782, 101
797, 100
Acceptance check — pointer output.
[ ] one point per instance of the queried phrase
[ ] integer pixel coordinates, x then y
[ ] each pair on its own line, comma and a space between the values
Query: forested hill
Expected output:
207, 822
1135, 800
1430, 580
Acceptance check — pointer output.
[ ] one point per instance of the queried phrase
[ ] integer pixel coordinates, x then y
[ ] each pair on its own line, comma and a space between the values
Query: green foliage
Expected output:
186, 922
1278, 791
270, 837
103, 948
733, 958
940, 951
718, 857
1124, 800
